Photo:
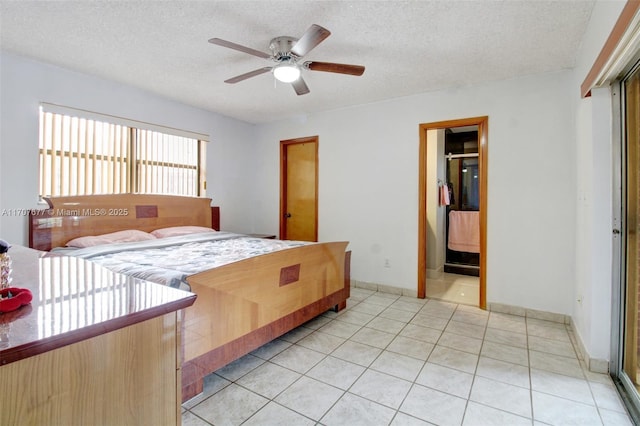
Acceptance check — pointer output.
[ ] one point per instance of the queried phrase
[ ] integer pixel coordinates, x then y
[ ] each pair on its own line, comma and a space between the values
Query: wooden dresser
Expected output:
93, 347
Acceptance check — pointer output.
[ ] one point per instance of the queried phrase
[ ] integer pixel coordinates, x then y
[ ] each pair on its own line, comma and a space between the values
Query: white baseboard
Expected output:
528, 313
384, 288
596, 365
435, 274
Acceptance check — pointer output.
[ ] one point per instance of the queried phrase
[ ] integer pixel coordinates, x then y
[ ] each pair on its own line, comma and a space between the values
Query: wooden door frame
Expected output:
483, 125
283, 181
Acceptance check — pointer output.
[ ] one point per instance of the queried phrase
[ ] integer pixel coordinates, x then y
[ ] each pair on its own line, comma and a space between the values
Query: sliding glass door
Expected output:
631, 358
626, 366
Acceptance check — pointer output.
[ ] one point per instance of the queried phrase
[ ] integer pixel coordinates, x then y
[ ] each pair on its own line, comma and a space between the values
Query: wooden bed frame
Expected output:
240, 306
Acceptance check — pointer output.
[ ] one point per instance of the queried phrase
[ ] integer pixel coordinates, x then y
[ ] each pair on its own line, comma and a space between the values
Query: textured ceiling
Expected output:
407, 47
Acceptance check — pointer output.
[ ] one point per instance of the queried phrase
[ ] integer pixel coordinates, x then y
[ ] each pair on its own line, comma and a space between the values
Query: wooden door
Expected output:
299, 189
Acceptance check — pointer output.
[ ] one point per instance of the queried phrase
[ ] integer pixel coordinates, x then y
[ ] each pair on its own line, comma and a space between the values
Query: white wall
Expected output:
368, 188
591, 305
25, 83
436, 220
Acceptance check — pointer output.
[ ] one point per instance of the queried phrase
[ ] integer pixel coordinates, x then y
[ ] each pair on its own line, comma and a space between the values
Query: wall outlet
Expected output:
387, 264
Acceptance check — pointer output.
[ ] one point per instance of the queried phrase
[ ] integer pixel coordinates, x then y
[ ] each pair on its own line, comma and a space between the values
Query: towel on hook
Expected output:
452, 199
444, 195
464, 231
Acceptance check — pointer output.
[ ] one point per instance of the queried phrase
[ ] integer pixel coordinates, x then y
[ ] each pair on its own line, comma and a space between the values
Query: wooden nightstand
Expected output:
267, 236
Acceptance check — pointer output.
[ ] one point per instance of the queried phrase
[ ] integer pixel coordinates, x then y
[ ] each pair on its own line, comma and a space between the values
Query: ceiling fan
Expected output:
287, 53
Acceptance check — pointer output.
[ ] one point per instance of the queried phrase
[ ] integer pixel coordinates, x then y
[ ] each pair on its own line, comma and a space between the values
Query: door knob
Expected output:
288, 215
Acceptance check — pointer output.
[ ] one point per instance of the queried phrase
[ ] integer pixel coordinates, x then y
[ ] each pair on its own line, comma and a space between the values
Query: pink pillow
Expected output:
130, 235
174, 231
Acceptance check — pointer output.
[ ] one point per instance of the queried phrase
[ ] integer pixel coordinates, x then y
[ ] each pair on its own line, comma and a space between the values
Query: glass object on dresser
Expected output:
5, 265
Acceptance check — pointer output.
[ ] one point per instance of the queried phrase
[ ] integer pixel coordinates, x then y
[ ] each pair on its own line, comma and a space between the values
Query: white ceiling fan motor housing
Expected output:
281, 47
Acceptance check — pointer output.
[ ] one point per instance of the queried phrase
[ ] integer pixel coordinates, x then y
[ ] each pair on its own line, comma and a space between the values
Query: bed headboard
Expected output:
76, 216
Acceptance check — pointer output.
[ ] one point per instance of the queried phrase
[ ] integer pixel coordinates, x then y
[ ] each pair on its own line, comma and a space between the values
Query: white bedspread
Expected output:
170, 260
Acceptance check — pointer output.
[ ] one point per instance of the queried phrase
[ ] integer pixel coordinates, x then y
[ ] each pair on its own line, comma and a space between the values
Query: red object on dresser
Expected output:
19, 297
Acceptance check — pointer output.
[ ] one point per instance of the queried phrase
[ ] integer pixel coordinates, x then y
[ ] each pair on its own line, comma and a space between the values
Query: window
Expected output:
83, 153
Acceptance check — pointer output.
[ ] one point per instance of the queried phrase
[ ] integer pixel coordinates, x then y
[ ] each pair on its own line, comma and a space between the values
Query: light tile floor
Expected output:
393, 360
454, 288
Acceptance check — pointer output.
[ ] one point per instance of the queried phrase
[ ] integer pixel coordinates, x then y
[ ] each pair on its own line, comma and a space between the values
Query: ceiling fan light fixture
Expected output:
287, 53
286, 72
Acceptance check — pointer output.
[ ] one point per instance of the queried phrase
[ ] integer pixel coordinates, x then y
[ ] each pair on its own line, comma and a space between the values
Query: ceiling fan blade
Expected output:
337, 68
300, 86
248, 75
230, 45
310, 39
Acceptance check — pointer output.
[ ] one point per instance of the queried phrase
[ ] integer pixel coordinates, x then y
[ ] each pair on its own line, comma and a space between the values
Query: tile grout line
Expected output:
475, 371
413, 383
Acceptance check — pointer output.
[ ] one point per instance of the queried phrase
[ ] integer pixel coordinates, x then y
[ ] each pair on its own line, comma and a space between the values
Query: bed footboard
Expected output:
243, 305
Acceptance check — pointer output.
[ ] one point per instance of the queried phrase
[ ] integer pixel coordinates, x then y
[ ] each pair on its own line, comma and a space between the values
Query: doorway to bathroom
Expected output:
452, 211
